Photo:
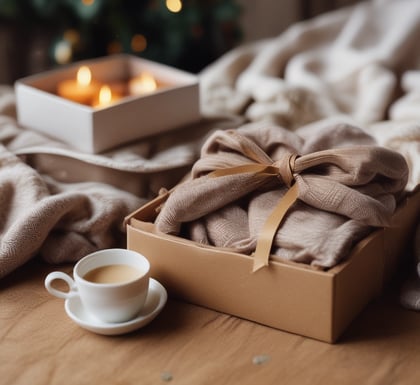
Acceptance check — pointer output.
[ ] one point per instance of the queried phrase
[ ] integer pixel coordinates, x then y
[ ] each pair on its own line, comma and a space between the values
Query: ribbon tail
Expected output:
266, 237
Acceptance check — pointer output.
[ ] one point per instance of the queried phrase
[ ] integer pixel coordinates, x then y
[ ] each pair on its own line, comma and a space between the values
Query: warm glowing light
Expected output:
143, 84
72, 36
84, 76
149, 82
138, 43
105, 95
62, 52
81, 89
174, 5
88, 2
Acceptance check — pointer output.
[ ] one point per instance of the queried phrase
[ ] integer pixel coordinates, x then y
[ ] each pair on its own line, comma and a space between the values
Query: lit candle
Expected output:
143, 84
81, 90
105, 97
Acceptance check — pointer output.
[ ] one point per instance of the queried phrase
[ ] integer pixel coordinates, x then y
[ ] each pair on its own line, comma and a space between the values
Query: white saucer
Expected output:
156, 299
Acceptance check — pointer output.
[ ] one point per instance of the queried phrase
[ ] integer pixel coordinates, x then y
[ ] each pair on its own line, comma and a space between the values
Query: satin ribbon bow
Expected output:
284, 170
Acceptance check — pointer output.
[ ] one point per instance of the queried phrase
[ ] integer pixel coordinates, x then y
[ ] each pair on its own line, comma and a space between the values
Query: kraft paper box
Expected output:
94, 130
289, 296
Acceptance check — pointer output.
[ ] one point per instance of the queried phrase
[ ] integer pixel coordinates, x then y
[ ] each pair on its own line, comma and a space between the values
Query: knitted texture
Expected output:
346, 185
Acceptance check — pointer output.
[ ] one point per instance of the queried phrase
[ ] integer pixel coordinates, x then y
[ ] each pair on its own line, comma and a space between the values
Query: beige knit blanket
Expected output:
343, 183
359, 64
60, 204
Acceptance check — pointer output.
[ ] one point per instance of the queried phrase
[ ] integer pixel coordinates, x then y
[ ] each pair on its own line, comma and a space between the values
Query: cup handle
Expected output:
59, 293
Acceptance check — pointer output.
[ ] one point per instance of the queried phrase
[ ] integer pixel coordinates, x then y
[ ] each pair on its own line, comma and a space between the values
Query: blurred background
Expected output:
36, 35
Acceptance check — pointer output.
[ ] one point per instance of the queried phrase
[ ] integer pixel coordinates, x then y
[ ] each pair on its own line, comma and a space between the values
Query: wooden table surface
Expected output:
187, 344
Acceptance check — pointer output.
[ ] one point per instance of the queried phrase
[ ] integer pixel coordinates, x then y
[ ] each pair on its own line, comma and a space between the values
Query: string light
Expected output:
63, 52
86, 38
138, 43
72, 36
174, 6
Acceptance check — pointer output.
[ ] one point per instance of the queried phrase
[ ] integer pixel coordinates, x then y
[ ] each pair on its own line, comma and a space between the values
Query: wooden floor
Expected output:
187, 344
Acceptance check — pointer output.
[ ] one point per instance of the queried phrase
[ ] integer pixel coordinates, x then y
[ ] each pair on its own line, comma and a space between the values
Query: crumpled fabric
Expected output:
346, 185
60, 204
60, 222
346, 62
359, 64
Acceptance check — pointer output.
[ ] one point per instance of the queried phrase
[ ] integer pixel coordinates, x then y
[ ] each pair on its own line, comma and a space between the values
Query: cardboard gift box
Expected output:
92, 129
289, 296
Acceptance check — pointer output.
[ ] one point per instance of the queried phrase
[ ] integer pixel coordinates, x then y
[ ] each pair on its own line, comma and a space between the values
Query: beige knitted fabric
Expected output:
360, 64
61, 204
60, 222
345, 184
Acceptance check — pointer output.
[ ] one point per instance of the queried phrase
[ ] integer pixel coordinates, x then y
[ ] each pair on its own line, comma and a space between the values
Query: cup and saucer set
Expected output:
111, 292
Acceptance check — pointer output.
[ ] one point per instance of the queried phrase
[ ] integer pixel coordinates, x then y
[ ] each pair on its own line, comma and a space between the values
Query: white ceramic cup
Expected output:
109, 302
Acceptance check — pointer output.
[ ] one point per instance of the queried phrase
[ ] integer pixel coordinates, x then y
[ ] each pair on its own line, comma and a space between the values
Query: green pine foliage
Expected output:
79, 29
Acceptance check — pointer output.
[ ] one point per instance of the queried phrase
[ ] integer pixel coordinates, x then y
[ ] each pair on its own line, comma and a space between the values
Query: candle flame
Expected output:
84, 76
105, 95
148, 82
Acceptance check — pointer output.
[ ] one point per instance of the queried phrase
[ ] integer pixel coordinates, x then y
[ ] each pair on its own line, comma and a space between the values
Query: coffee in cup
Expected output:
112, 284
112, 274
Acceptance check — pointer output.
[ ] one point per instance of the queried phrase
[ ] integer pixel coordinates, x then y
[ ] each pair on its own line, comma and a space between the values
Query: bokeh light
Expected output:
174, 5
138, 43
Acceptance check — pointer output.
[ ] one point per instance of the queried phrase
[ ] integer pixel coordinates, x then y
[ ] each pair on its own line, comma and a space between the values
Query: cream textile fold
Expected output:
345, 184
343, 62
358, 64
59, 222
59, 204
